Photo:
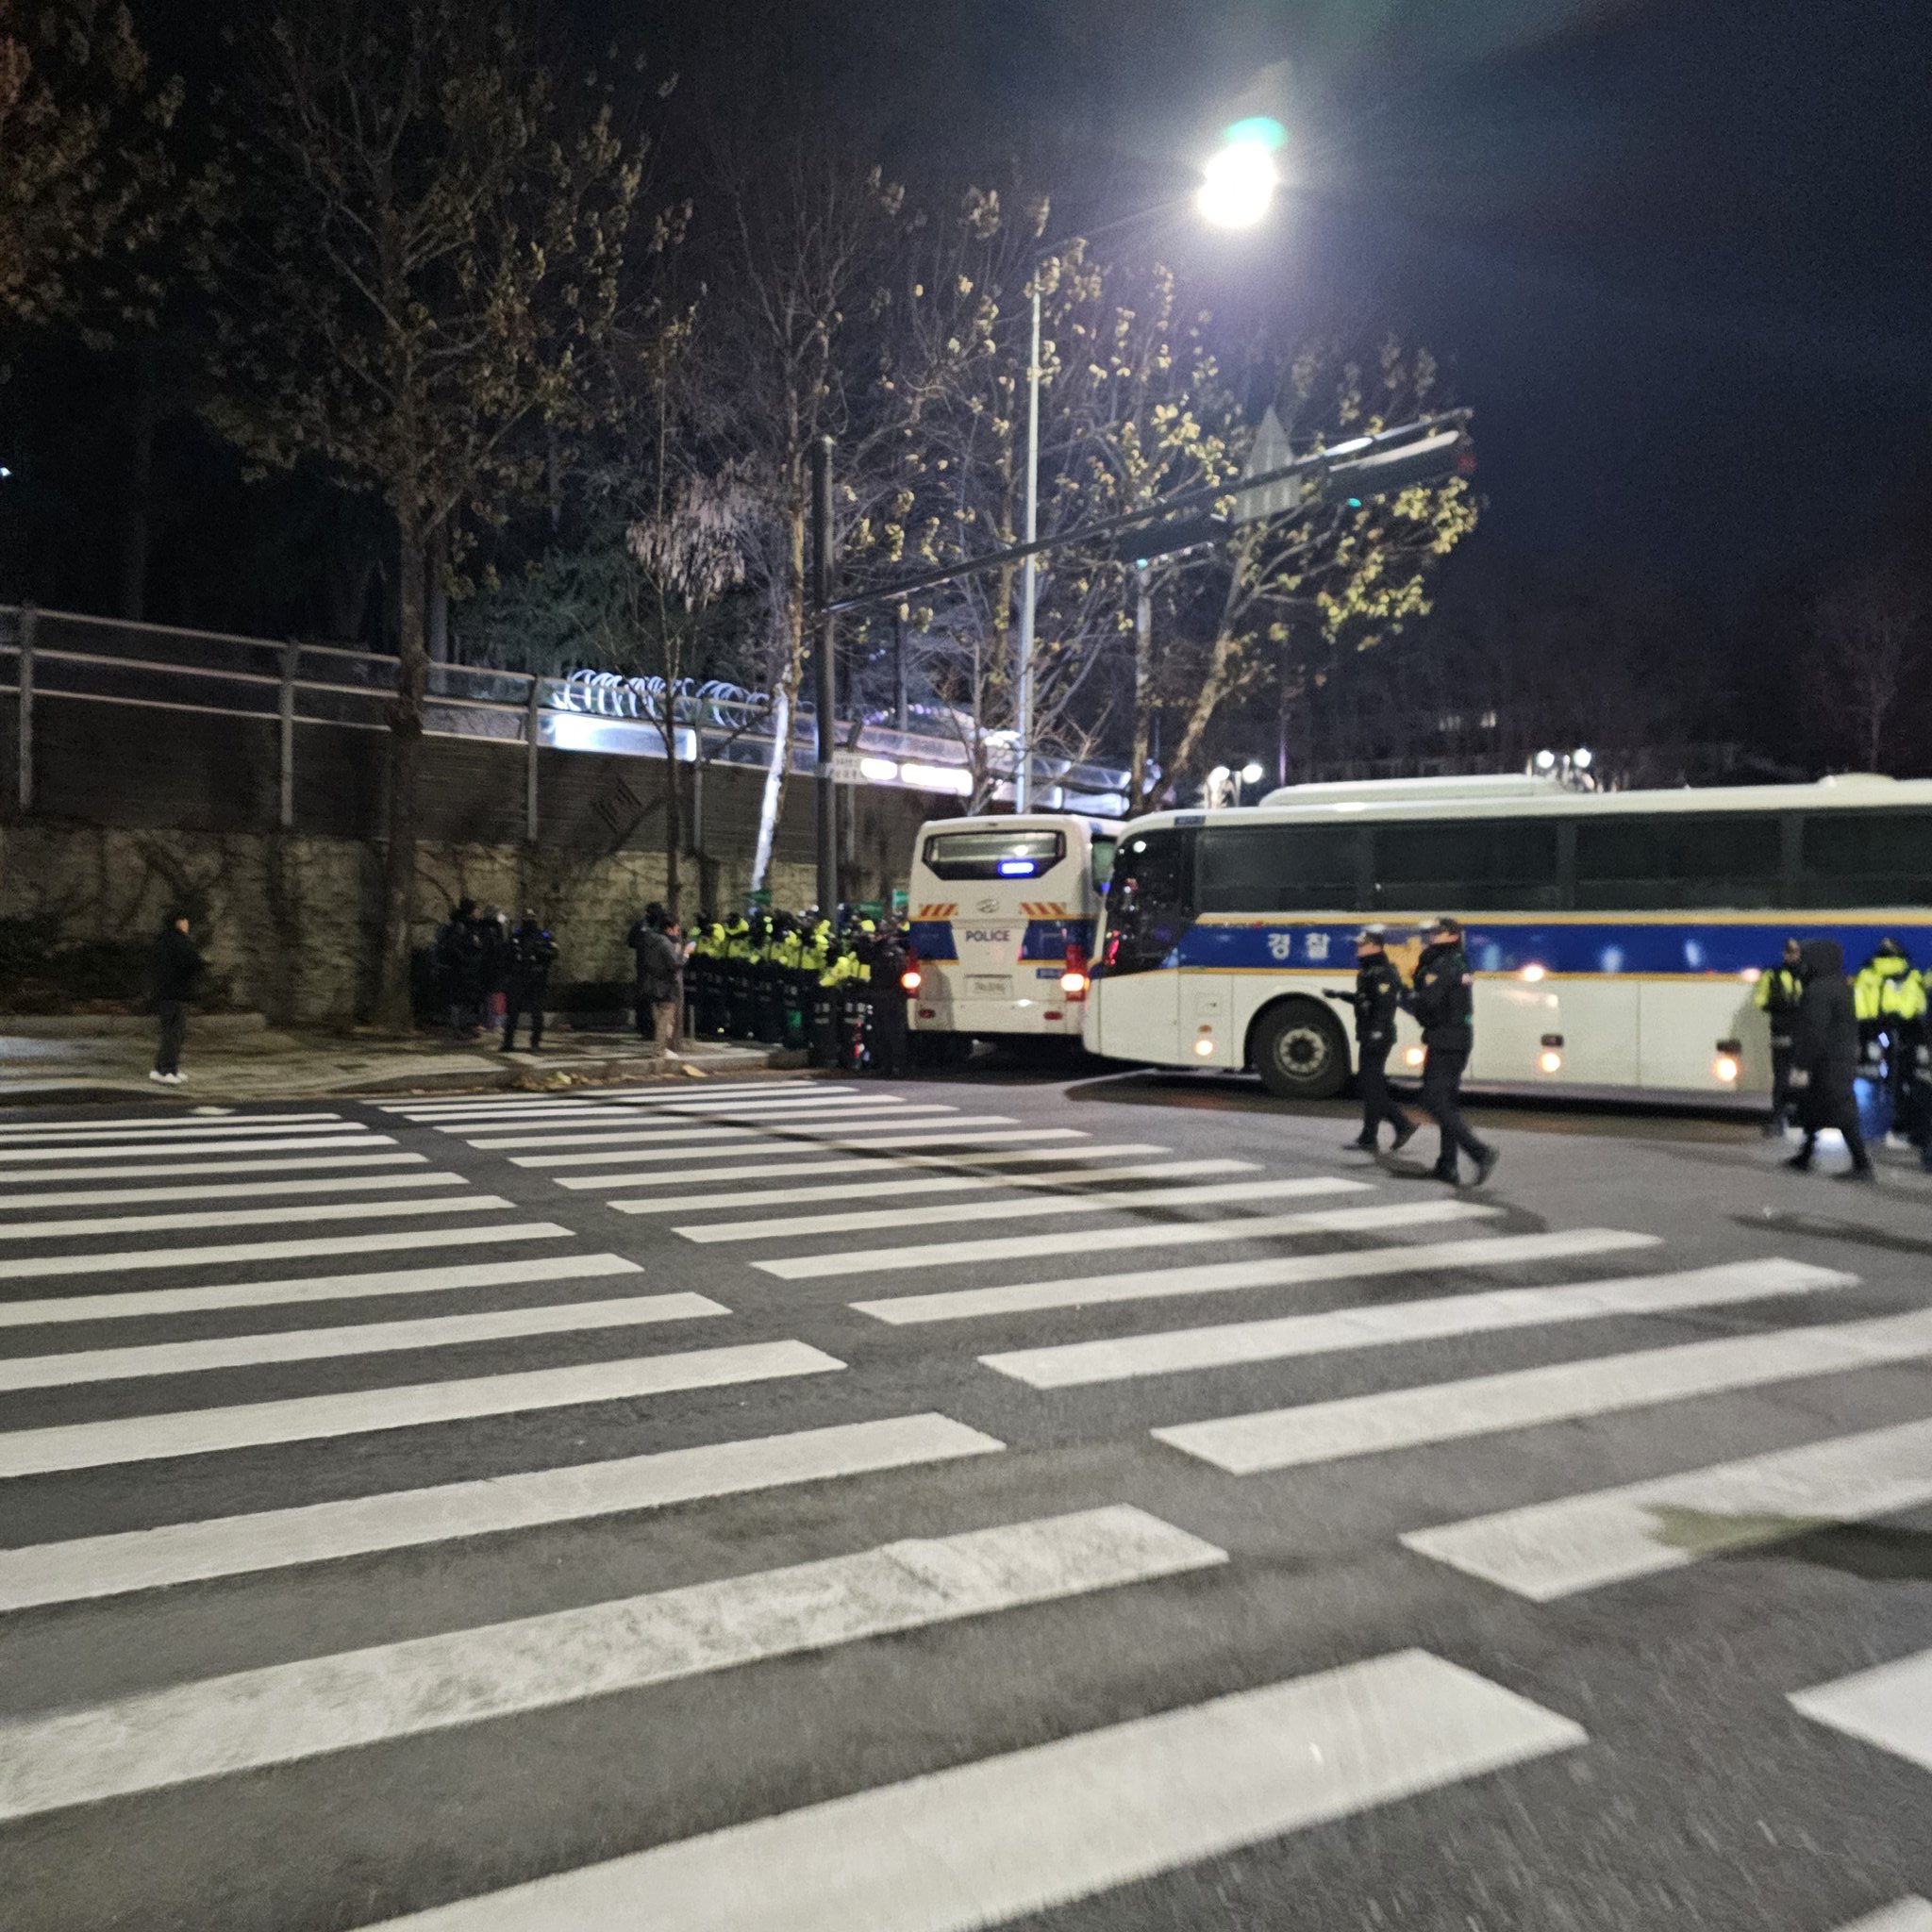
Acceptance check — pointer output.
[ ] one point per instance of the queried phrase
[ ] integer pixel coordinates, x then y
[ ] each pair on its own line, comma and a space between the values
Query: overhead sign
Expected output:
1271, 451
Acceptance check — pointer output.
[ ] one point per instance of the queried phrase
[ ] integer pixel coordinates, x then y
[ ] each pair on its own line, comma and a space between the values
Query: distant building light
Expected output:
879, 771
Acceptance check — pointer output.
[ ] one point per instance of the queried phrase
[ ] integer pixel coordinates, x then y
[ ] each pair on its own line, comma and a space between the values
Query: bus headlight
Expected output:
1415, 1055
1550, 1060
1727, 1069
1205, 1048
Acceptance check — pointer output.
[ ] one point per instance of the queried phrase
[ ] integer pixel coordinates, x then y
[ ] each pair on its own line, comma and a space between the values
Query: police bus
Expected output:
1002, 912
1616, 939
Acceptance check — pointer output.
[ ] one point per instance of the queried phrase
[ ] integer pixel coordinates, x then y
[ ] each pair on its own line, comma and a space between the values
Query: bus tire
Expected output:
1299, 1052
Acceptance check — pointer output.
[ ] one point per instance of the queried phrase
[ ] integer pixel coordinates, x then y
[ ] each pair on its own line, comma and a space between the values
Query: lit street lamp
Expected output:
1237, 187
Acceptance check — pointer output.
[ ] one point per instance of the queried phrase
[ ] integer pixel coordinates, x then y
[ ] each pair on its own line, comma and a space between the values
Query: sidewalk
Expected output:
229, 1061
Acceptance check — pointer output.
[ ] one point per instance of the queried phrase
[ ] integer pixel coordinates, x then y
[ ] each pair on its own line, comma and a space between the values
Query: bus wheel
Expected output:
1301, 1053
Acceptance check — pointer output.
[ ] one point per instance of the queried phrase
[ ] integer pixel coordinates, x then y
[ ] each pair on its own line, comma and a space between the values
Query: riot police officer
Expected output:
1377, 994
1778, 993
532, 952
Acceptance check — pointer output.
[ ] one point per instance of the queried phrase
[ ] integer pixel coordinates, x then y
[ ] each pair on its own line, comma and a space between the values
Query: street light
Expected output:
1237, 187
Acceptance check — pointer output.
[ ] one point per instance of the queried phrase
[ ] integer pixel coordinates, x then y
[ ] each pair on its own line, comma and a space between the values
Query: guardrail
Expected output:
64, 657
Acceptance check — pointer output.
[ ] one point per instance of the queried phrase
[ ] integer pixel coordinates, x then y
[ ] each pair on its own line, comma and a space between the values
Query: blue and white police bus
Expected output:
1002, 911
1615, 937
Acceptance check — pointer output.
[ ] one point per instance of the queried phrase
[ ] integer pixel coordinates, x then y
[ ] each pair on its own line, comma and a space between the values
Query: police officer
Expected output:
738, 957
1777, 996
1442, 1003
891, 960
1377, 994
854, 993
532, 953
825, 1000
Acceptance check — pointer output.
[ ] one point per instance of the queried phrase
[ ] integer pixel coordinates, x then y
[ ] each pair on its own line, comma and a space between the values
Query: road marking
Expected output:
247, 1217
358, 1337
1218, 1194
876, 1164
842, 1120
287, 1712
1384, 1324
1279, 1271
977, 1130
576, 1112
315, 1287
338, 1184
944, 1184
1568, 1391
341, 1158
1008, 1837
629, 1095
1890, 1706
190, 1137
1905, 1915
11, 1158
1551, 1550
406, 1519
1233, 1227
250, 1252
360, 1411
184, 1123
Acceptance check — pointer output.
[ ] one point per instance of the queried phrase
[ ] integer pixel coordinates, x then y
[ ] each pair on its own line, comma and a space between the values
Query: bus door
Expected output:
1149, 908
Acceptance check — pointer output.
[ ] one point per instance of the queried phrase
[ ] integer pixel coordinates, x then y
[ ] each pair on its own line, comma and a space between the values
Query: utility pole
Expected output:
901, 712
824, 680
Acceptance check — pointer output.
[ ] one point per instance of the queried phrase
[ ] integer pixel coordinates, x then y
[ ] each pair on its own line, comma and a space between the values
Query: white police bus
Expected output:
1002, 912
1615, 937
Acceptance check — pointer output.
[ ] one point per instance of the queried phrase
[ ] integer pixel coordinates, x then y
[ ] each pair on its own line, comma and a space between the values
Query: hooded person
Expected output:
1824, 1056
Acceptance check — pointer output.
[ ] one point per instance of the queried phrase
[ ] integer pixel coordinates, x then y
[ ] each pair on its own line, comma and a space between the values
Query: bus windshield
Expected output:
1023, 853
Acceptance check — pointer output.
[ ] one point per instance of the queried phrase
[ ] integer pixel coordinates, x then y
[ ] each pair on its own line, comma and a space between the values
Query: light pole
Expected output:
1237, 187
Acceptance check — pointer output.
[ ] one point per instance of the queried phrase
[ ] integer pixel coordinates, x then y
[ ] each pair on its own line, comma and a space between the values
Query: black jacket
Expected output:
1377, 994
532, 952
660, 964
1441, 998
173, 965
1825, 1034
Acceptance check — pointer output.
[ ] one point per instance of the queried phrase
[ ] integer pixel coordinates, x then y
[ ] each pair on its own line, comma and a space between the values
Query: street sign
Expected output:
846, 768
1271, 451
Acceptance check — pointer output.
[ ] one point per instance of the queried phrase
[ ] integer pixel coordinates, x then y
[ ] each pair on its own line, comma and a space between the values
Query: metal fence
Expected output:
59, 658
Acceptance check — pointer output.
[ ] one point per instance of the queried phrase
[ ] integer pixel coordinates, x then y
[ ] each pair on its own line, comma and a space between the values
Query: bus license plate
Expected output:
989, 986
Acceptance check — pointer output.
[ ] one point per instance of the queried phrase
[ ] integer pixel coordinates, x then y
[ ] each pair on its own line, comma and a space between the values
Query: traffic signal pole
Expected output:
825, 677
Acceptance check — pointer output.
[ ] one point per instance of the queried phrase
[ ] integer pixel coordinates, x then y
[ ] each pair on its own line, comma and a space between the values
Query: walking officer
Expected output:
1377, 994
1778, 993
1443, 1005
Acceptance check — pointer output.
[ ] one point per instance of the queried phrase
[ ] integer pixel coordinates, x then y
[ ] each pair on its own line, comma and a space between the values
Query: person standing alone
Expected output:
1777, 996
174, 967
530, 953
1376, 996
1443, 1005
660, 964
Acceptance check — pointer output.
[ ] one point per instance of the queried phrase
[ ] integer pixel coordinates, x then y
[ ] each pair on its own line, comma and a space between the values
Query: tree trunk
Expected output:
791, 675
1143, 687
1214, 687
141, 463
391, 999
673, 807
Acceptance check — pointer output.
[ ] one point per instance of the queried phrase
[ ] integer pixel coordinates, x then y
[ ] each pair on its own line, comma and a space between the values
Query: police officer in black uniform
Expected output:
532, 953
1377, 994
1443, 1005
886, 1045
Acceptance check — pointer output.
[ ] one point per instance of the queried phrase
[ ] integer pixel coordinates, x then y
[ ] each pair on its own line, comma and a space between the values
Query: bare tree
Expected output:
1867, 636
428, 236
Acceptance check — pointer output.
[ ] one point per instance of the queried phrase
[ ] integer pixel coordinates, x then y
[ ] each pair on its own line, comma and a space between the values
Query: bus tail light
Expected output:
909, 979
1073, 975
1729, 1062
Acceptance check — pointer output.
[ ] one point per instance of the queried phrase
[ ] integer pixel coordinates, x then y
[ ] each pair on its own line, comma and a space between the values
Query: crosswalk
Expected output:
600, 1392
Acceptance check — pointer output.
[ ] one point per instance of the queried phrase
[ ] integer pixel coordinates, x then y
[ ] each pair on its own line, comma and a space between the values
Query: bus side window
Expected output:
1103, 849
1147, 904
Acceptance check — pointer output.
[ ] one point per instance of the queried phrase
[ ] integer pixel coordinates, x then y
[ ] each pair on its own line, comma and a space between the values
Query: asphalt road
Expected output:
1012, 1498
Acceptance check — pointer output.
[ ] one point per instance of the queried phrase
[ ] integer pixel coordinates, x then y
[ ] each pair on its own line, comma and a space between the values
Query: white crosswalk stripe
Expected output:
1076, 1242
127, 1303
351, 1159
311, 1418
835, 1121
1551, 1550
1890, 1708
1437, 1320
101, 1566
939, 1183
1280, 1271
362, 1338
186, 1123
1902, 1915
300, 1143
217, 1191
978, 1130
985, 1842
1450, 1411
881, 1162
251, 1253
218, 1135
552, 1119
1220, 1194
287, 1712
247, 1217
